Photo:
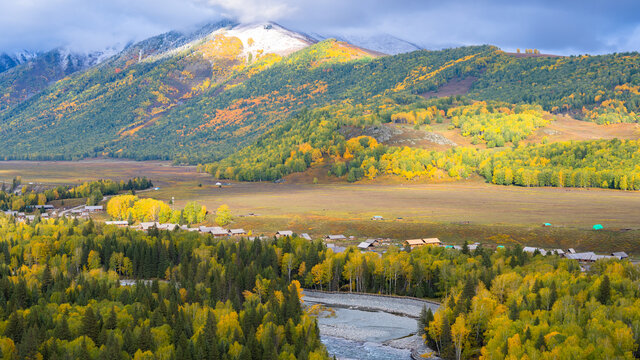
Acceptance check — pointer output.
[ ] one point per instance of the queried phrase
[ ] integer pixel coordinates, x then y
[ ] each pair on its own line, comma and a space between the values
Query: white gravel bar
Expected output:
392, 304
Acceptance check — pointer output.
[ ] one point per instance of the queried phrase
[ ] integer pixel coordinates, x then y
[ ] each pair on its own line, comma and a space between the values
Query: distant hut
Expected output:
432, 241
237, 232
219, 232
369, 243
414, 243
283, 233
620, 255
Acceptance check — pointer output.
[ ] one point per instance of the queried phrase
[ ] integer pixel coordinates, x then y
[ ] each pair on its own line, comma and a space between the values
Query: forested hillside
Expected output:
600, 88
258, 102
204, 102
313, 138
37, 72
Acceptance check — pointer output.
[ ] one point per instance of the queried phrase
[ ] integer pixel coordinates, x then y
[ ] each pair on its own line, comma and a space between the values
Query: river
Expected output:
368, 327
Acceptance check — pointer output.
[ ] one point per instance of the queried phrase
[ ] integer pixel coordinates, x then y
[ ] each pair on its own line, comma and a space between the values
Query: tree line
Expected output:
94, 191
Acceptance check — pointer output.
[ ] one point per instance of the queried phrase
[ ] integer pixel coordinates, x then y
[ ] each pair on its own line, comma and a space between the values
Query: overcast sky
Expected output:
553, 26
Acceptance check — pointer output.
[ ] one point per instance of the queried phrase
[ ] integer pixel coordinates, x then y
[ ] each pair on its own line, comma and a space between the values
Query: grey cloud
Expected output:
563, 27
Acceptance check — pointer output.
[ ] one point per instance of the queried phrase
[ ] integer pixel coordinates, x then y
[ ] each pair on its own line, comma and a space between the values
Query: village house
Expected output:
43, 207
147, 225
532, 250
588, 257
219, 232
305, 236
187, 228
367, 244
283, 233
377, 217
471, 247
237, 232
336, 249
93, 208
335, 237
414, 243
432, 241
167, 226
621, 255
120, 223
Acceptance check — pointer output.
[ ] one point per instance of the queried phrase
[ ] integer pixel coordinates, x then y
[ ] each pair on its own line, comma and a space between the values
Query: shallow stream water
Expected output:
356, 350
360, 334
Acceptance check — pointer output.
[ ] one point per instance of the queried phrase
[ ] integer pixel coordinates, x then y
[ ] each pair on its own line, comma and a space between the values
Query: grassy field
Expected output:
470, 210
68, 172
454, 212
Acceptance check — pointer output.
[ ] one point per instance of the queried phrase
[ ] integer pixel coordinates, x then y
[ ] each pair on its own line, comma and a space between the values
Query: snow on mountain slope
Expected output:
269, 38
383, 43
255, 39
8, 61
62, 57
69, 59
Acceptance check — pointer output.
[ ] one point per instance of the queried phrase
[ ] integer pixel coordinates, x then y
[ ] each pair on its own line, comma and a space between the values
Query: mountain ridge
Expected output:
200, 96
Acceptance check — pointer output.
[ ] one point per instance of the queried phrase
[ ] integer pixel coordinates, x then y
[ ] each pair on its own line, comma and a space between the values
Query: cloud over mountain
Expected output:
562, 27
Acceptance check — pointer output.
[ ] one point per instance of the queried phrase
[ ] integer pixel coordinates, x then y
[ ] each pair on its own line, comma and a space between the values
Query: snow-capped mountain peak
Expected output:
269, 38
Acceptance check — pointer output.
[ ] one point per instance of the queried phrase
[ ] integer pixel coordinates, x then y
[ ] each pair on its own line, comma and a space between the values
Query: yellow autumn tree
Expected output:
223, 215
118, 206
459, 332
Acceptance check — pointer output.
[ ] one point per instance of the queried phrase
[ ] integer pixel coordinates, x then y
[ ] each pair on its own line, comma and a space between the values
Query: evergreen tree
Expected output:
540, 343
604, 292
553, 295
84, 351
465, 247
29, 346
112, 320
111, 349
447, 344
90, 325
14, 328
129, 343
206, 345
145, 339
426, 316
61, 331
46, 280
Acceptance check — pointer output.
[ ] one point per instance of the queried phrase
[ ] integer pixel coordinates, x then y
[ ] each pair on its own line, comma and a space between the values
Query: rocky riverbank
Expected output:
391, 304
368, 318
